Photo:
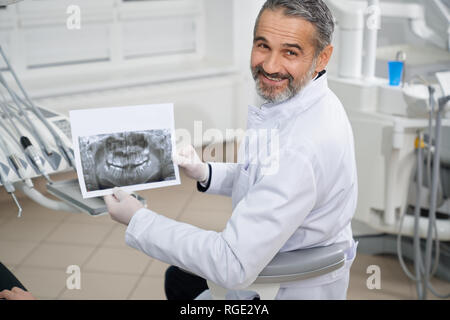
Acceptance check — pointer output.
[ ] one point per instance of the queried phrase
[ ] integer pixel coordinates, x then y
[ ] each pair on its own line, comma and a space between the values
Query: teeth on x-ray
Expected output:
125, 159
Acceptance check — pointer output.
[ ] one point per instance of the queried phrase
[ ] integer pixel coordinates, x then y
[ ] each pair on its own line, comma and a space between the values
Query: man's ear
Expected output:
324, 58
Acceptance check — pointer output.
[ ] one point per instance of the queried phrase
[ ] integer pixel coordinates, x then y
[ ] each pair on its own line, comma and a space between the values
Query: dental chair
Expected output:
287, 267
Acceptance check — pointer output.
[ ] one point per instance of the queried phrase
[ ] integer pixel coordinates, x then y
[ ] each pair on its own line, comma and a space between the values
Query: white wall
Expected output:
209, 81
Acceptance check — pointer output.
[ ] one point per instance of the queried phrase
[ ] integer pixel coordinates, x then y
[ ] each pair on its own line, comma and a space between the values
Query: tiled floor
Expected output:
40, 246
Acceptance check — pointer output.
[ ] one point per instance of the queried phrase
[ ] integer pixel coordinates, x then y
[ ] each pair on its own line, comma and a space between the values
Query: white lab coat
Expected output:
308, 201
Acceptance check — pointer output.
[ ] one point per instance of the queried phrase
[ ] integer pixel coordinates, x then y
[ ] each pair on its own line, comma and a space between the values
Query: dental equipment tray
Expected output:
69, 192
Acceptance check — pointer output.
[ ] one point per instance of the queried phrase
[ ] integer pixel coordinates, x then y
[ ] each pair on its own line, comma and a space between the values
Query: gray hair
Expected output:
314, 11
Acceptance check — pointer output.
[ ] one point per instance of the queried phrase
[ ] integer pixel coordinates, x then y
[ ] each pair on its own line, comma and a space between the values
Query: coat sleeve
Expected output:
222, 176
262, 222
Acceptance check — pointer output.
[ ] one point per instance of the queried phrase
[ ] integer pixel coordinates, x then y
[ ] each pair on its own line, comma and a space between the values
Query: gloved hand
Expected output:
194, 168
122, 206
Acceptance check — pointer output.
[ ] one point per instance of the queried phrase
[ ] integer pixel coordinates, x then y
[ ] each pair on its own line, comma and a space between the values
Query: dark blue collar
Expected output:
321, 73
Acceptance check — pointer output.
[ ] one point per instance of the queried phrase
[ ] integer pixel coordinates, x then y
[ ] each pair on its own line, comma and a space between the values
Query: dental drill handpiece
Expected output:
9, 187
17, 101
20, 169
15, 162
66, 152
30, 150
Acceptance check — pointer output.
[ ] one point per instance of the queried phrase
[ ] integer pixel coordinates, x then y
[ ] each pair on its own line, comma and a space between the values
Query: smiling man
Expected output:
308, 202
287, 52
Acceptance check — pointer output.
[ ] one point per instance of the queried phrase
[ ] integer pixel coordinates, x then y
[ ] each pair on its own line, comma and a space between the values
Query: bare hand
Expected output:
16, 294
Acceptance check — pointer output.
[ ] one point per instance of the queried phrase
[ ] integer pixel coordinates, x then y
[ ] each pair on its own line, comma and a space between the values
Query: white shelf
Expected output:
98, 77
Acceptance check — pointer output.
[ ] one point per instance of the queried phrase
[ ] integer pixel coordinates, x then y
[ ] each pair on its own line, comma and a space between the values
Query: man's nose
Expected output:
272, 64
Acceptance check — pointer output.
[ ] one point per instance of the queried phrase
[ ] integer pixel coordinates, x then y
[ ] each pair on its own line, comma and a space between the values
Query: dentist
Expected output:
308, 201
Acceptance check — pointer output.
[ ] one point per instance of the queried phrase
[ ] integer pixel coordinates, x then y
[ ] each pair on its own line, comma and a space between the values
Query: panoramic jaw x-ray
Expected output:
131, 148
127, 158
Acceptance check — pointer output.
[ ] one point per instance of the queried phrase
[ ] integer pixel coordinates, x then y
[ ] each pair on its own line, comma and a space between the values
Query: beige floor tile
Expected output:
157, 268
441, 287
116, 238
149, 288
100, 286
8, 208
33, 211
206, 219
43, 283
187, 184
394, 283
26, 230
85, 218
4, 219
114, 260
58, 255
358, 290
209, 202
79, 233
13, 252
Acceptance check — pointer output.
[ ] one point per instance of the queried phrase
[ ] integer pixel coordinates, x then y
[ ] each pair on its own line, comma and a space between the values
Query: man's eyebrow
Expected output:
286, 45
259, 39
293, 45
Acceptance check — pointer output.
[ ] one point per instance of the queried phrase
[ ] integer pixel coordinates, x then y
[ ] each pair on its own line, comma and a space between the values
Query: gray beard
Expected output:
291, 91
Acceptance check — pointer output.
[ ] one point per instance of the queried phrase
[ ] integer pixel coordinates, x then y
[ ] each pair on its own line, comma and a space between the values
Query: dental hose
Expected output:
422, 270
65, 150
418, 264
434, 195
433, 198
8, 185
418, 267
16, 100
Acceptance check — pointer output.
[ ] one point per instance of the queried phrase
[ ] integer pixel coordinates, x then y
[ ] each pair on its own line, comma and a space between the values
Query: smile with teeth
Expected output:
274, 79
271, 79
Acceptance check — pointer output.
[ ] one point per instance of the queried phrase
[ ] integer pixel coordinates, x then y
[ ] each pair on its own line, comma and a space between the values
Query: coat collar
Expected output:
269, 114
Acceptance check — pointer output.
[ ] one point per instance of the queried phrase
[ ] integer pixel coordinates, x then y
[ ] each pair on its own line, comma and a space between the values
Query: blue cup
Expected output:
395, 72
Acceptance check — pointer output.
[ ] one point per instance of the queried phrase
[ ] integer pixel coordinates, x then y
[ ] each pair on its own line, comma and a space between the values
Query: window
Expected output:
152, 27
111, 31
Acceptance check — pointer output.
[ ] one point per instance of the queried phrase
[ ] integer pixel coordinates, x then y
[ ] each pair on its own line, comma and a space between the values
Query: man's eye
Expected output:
263, 46
292, 53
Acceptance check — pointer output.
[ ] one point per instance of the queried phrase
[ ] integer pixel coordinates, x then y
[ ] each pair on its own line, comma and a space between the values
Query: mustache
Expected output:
259, 69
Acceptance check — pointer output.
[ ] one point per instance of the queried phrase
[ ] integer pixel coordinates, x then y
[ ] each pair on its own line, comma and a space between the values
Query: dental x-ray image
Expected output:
126, 158
131, 148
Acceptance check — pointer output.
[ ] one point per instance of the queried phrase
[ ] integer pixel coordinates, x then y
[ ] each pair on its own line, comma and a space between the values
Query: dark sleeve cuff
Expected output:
202, 188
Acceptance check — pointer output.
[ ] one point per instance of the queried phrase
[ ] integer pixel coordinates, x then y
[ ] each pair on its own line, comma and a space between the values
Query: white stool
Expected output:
288, 267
